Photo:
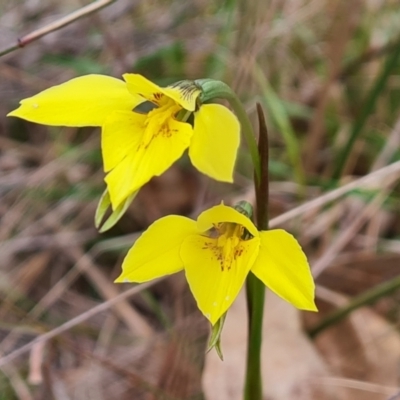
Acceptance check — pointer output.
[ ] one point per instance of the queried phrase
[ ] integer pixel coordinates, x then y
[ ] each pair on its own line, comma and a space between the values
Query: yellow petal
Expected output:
120, 181
140, 165
138, 84
121, 135
213, 288
215, 142
83, 101
283, 267
221, 213
156, 252
184, 93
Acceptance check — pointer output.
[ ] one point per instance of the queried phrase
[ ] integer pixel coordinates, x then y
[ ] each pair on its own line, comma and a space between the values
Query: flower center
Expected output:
228, 244
158, 119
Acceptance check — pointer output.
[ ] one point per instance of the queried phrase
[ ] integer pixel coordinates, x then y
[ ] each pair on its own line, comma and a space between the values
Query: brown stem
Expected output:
60, 23
262, 189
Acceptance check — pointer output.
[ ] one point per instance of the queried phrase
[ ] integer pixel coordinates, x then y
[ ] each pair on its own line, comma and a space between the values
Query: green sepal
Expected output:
215, 337
104, 205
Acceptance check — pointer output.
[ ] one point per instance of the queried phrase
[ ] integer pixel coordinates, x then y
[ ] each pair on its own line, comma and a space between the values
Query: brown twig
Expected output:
54, 26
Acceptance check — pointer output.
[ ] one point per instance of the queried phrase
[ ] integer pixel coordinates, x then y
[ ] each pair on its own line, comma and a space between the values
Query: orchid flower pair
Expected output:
145, 129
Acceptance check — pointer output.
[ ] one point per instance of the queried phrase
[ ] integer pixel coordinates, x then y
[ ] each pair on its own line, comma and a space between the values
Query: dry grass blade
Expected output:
75, 321
132, 318
359, 385
37, 34
350, 232
370, 180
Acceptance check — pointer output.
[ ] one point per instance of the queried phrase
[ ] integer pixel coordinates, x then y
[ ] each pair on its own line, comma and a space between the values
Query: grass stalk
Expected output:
255, 289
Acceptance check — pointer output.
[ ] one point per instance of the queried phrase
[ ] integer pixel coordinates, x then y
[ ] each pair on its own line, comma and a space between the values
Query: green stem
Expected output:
255, 288
212, 89
255, 292
363, 299
9, 49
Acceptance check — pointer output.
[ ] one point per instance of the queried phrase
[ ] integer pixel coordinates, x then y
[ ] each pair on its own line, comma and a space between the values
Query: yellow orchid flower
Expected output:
217, 252
137, 146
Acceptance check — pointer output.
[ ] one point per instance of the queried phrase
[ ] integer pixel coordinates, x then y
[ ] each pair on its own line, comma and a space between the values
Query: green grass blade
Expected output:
366, 111
280, 119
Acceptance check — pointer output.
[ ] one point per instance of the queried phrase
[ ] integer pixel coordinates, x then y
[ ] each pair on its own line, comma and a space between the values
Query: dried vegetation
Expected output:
326, 73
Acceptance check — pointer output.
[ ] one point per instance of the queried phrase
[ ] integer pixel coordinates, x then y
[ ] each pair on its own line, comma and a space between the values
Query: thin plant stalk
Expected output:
53, 26
255, 289
211, 89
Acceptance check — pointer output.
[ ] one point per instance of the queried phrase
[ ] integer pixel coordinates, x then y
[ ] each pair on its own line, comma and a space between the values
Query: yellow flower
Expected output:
137, 146
217, 252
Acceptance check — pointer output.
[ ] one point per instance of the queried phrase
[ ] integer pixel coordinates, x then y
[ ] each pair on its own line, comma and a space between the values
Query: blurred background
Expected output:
327, 74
